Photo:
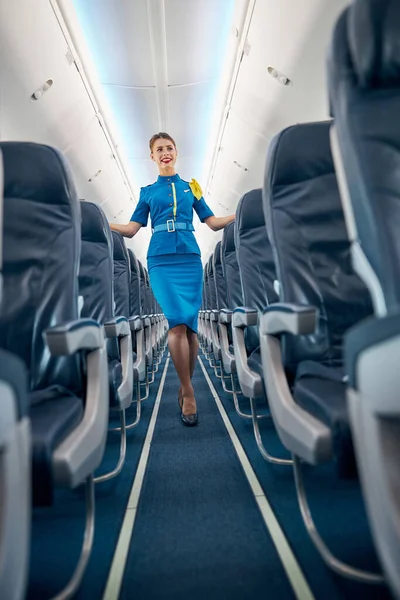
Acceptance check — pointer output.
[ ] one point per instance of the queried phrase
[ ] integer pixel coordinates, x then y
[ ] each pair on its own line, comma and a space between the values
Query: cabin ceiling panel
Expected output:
195, 35
119, 38
136, 115
64, 111
190, 108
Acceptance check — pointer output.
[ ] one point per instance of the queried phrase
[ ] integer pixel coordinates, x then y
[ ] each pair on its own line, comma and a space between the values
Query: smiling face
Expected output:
164, 153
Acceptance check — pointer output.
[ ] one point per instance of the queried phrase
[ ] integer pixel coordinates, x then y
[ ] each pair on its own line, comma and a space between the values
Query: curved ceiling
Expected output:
123, 69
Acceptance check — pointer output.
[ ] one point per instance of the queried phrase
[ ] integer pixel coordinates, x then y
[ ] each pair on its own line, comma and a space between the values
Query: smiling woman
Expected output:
173, 258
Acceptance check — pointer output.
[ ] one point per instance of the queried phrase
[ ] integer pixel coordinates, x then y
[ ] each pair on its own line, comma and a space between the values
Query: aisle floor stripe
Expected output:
295, 575
115, 577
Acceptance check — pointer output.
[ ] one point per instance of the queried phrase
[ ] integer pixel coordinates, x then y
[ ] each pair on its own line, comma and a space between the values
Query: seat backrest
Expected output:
134, 289
122, 276
143, 290
212, 296
96, 266
364, 77
41, 250
306, 226
219, 279
150, 300
255, 258
230, 268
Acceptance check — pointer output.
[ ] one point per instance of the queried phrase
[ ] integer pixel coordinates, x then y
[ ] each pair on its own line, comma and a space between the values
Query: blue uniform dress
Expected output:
173, 258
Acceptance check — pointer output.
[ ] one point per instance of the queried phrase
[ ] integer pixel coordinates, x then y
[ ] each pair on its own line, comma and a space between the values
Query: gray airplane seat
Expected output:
257, 276
321, 299
134, 289
96, 287
65, 356
219, 280
364, 78
234, 298
15, 464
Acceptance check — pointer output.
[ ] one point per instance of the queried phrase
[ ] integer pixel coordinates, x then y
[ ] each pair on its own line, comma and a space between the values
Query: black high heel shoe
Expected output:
188, 420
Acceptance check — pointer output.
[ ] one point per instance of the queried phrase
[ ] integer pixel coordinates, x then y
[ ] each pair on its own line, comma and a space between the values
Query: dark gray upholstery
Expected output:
306, 225
212, 295
219, 280
230, 268
364, 73
143, 290
255, 259
40, 276
122, 276
134, 289
96, 283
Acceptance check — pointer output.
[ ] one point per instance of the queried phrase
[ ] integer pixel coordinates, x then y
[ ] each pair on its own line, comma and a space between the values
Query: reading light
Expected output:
283, 79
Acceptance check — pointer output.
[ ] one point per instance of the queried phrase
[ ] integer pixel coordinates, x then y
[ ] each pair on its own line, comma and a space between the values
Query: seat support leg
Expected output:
122, 452
72, 587
336, 565
264, 453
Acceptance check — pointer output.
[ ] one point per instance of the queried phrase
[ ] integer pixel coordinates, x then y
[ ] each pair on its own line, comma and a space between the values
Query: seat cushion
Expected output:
13, 373
254, 362
321, 391
114, 380
52, 420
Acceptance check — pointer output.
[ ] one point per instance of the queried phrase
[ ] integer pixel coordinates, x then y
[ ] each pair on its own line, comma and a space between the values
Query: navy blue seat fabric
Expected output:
219, 280
40, 277
134, 289
122, 276
256, 264
211, 292
230, 268
143, 291
305, 223
364, 74
96, 283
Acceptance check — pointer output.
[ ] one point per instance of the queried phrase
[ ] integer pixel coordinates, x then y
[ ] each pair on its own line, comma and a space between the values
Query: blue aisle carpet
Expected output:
57, 531
198, 532
336, 505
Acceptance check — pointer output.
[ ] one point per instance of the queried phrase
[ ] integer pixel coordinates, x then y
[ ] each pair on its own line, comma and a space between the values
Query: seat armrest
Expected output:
225, 316
82, 334
146, 321
244, 317
228, 359
136, 323
288, 318
250, 382
118, 327
214, 316
299, 431
207, 315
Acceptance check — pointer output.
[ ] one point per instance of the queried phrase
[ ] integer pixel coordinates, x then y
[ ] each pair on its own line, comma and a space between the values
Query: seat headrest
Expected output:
250, 212
120, 252
228, 240
299, 153
217, 254
94, 224
46, 179
374, 42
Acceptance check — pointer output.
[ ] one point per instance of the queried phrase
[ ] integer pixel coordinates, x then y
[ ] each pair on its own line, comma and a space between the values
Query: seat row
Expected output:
301, 302
81, 337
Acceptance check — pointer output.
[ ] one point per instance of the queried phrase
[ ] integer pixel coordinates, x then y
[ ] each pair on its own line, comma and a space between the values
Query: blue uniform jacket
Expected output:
158, 201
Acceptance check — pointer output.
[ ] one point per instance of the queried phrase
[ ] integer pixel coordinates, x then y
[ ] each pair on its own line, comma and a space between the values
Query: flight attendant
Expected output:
173, 259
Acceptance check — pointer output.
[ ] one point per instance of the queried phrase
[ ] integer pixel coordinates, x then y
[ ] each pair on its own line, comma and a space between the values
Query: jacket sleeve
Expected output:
141, 213
202, 209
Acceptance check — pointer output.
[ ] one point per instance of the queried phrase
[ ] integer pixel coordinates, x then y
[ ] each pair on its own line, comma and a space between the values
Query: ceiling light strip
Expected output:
62, 21
231, 91
158, 44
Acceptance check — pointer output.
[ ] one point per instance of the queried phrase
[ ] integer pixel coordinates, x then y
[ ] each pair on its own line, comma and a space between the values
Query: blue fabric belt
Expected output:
172, 226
